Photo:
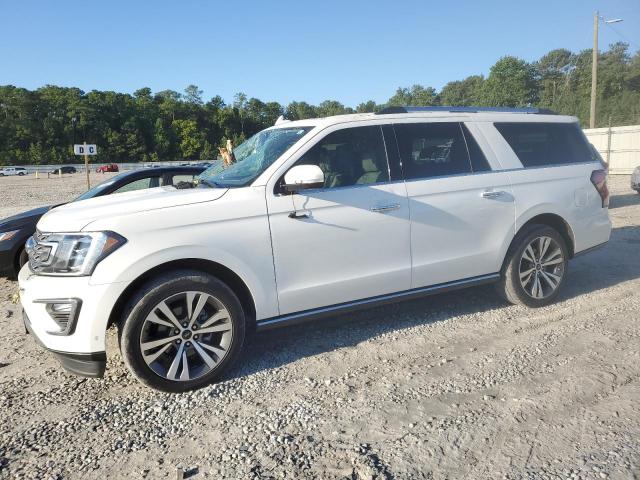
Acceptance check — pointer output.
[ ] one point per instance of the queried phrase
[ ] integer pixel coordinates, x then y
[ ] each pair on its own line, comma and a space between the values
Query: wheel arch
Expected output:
221, 272
556, 222
553, 220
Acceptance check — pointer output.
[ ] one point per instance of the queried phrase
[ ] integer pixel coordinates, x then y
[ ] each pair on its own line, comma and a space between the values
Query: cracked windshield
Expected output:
241, 165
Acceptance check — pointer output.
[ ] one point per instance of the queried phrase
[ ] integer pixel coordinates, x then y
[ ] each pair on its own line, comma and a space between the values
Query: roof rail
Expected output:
442, 108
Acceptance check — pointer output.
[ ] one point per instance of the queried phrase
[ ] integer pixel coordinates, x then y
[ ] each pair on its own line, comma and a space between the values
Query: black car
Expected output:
64, 170
15, 230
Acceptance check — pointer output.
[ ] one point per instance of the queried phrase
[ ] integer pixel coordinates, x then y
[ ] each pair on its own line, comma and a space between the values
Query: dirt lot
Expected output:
18, 194
460, 385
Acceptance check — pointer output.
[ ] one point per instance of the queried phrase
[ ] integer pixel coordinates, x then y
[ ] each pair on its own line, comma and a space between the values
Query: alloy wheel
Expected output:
541, 267
186, 336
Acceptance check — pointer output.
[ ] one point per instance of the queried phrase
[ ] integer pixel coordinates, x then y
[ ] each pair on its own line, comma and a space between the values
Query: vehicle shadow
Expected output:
618, 201
615, 263
275, 348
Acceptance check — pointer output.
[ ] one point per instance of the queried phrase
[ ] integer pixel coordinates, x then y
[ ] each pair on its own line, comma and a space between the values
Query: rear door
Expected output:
348, 240
462, 209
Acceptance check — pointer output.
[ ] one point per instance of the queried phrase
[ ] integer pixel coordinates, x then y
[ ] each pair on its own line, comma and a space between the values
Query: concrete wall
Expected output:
619, 145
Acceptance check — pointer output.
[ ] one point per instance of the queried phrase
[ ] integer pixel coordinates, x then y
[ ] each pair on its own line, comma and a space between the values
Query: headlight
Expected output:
8, 235
70, 254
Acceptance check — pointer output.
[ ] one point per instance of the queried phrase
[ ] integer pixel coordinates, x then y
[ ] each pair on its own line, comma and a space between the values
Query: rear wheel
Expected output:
182, 331
536, 267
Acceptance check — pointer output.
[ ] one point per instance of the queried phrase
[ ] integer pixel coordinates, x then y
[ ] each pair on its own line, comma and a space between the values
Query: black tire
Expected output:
146, 299
21, 259
510, 286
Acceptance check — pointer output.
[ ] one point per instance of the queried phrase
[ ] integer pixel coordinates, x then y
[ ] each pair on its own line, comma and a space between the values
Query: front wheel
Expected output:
23, 258
535, 267
182, 331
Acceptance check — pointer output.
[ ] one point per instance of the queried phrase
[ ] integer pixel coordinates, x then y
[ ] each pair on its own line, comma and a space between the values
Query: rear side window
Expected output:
540, 144
351, 156
436, 149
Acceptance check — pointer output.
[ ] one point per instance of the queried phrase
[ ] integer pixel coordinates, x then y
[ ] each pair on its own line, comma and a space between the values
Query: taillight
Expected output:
599, 180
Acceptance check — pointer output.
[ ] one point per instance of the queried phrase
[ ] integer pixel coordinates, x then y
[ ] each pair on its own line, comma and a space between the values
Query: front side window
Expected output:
540, 144
351, 156
253, 157
432, 150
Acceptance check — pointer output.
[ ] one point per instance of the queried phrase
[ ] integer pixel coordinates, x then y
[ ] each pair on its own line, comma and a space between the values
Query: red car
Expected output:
112, 167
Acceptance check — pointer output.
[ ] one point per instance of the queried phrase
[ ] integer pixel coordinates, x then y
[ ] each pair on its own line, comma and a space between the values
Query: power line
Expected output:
624, 37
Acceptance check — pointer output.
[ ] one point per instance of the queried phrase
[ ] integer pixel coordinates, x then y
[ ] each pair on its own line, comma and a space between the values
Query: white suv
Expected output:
314, 217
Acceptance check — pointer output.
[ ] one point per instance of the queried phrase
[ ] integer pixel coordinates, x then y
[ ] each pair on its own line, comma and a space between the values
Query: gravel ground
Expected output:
18, 194
459, 385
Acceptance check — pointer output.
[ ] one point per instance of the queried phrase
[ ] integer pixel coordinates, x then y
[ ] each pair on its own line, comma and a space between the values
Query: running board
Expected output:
318, 313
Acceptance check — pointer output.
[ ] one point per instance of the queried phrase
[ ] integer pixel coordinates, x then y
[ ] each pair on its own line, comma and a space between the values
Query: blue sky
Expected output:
349, 51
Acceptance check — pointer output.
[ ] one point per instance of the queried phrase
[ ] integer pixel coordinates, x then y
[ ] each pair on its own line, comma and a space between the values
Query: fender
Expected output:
263, 293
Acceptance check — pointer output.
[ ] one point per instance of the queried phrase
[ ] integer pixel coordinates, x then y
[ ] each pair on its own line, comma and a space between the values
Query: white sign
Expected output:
85, 149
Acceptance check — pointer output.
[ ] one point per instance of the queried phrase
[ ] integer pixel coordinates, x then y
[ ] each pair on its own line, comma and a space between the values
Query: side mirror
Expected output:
302, 177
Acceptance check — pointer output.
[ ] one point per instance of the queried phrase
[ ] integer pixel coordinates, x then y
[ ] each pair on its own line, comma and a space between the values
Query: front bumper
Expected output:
82, 351
83, 364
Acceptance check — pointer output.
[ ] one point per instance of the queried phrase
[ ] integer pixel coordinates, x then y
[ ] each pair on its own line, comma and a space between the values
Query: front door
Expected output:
349, 240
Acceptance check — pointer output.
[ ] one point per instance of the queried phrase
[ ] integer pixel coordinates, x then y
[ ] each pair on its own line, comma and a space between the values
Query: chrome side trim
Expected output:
317, 313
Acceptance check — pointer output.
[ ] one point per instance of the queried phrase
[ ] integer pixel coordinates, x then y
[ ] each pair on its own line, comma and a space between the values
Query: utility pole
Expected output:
594, 71
594, 65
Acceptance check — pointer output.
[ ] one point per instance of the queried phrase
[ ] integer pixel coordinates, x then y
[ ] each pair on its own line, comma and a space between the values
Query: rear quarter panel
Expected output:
563, 190
567, 192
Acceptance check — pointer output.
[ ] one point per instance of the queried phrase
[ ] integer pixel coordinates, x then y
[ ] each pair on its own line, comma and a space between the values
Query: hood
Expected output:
74, 216
23, 218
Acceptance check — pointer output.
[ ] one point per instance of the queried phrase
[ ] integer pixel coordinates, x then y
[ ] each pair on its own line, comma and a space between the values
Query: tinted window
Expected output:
140, 184
538, 144
432, 149
478, 160
351, 156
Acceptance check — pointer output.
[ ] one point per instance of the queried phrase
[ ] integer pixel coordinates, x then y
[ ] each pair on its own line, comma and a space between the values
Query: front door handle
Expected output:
492, 193
385, 208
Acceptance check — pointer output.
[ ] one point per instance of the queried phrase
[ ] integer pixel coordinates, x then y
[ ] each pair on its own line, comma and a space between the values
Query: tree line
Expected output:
40, 126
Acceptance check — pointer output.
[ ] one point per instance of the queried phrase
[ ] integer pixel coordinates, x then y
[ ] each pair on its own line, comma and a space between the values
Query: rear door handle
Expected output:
386, 208
492, 193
